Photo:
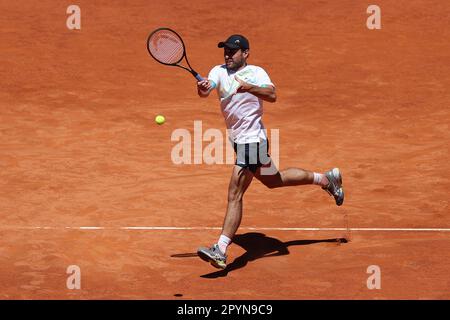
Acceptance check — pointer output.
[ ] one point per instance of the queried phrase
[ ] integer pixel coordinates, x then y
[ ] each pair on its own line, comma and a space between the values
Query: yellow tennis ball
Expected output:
160, 119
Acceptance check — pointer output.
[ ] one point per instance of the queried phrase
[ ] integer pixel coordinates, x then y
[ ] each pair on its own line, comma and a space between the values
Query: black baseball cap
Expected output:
236, 41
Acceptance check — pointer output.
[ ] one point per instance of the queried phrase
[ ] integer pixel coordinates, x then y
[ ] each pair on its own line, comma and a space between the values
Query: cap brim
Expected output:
228, 45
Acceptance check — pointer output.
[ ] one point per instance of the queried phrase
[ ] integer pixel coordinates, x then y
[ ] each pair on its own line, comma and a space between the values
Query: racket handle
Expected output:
200, 78
197, 76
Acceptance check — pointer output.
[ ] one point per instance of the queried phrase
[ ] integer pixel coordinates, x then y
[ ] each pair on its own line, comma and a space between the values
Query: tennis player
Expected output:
242, 88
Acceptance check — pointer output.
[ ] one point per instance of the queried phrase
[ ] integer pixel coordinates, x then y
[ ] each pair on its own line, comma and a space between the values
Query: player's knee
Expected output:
268, 183
235, 195
272, 185
271, 181
284, 175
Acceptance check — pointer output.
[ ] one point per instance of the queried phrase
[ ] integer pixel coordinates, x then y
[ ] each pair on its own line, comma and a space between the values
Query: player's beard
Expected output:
234, 66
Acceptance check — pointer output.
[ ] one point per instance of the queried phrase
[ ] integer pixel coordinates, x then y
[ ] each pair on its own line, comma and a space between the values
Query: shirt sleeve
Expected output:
214, 76
263, 78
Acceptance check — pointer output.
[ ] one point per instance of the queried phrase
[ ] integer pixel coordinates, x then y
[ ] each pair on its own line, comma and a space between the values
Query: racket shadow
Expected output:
258, 246
184, 255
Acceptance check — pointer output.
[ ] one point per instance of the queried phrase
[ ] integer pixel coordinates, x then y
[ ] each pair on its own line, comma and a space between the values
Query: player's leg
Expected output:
330, 181
239, 182
287, 177
268, 174
241, 177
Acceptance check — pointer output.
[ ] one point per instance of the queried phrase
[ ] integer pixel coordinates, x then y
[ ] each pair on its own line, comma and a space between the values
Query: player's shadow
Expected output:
257, 246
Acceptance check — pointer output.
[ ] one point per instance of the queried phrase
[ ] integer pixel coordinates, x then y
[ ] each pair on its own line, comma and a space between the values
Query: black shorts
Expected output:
252, 155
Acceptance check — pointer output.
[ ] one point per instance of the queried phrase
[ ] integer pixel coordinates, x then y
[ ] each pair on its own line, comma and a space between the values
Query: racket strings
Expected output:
166, 47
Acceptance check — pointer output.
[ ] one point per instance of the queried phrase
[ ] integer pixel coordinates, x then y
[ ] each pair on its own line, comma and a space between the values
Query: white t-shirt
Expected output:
242, 111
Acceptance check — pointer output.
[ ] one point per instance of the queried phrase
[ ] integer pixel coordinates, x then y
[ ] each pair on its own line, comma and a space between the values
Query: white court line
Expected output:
294, 229
241, 228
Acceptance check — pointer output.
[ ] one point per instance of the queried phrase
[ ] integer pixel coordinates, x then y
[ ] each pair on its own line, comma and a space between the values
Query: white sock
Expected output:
317, 178
223, 243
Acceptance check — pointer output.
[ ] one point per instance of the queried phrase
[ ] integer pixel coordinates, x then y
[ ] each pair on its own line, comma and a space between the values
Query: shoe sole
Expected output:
207, 258
340, 185
337, 173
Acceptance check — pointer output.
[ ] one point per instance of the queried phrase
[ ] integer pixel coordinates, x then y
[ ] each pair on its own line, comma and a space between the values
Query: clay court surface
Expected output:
79, 148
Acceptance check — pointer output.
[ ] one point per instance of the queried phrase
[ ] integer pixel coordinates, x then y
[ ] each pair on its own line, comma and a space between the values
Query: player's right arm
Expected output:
204, 88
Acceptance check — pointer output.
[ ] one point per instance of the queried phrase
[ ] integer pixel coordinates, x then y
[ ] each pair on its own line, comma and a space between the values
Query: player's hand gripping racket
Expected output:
167, 47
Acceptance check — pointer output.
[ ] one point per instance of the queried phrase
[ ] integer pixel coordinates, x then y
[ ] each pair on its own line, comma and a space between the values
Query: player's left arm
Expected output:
264, 92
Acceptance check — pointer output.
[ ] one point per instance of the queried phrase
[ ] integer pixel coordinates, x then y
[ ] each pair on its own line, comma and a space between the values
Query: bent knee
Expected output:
271, 181
270, 184
273, 185
235, 196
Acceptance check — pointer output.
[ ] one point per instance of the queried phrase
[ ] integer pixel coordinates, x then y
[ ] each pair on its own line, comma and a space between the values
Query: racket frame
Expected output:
176, 64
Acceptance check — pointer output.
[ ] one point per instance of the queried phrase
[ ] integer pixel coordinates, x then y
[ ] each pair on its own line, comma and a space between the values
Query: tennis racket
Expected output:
167, 47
